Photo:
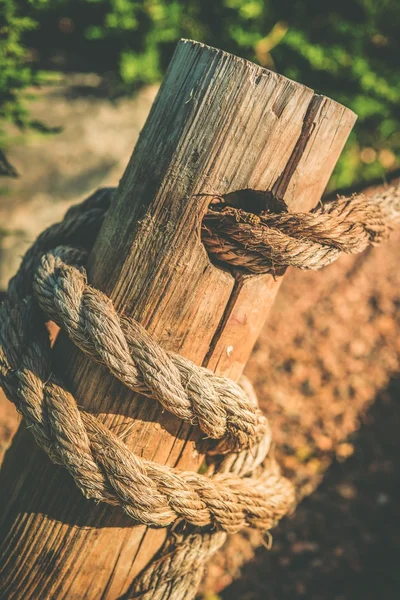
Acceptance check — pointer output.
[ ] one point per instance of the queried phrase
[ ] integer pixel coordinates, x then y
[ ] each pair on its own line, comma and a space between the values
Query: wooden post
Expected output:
219, 124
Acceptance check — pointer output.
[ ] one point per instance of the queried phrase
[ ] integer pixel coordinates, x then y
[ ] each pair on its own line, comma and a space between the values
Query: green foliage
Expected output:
347, 49
14, 75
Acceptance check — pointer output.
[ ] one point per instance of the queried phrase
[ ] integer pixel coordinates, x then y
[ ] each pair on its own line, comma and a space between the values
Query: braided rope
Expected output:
51, 283
244, 488
99, 461
194, 394
176, 572
271, 242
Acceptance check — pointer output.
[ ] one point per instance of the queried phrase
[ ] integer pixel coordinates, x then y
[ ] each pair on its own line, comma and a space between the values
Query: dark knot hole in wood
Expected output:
254, 202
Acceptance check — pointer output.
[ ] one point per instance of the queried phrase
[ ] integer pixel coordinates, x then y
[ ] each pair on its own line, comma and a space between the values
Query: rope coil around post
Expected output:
270, 242
243, 486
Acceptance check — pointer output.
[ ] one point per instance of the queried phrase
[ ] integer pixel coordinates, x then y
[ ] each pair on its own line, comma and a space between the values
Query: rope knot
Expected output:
243, 485
270, 242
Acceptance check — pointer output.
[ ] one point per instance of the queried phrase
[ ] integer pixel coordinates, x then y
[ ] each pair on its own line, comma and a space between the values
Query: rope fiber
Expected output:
269, 242
243, 485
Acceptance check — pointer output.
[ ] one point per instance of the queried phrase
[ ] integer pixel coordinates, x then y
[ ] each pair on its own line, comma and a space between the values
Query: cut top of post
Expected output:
219, 124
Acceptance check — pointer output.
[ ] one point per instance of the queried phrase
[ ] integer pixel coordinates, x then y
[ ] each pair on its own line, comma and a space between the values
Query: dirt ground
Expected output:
325, 369
343, 542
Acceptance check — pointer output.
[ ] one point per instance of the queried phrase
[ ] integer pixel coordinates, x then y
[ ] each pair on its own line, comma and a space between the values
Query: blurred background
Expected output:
77, 80
347, 49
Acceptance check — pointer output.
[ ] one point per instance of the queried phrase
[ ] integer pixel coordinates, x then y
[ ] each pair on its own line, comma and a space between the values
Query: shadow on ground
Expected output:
343, 542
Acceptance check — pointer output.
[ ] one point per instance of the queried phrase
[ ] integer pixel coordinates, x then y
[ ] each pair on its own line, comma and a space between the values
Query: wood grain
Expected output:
219, 124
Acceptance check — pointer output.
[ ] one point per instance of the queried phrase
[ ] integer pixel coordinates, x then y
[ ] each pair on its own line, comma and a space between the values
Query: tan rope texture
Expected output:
194, 394
52, 283
270, 242
243, 486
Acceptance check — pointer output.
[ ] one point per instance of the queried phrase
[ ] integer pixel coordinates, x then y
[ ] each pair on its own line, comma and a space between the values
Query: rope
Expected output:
194, 394
242, 488
243, 485
176, 572
148, 492
270, 242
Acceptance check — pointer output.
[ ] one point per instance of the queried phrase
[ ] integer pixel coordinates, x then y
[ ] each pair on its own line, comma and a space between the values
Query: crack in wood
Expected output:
282, 183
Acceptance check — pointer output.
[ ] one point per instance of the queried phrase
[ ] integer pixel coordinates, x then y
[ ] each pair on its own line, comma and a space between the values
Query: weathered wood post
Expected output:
219, 124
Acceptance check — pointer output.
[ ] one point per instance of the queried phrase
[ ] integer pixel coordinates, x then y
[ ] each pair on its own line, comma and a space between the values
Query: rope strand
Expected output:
243, 485
270, 242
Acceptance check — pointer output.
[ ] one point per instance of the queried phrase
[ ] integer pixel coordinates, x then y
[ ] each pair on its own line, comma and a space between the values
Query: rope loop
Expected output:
243, 485
270, 242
